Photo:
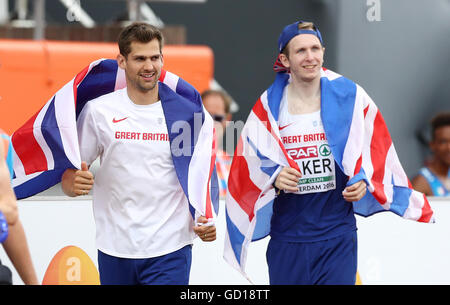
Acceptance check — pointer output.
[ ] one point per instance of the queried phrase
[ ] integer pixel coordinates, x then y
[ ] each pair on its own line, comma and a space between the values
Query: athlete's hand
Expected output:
77, 182
355, 191
287, 179
205, 232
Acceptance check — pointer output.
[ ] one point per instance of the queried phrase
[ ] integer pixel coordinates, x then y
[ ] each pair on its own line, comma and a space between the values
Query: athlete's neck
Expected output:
304, 96
140, 97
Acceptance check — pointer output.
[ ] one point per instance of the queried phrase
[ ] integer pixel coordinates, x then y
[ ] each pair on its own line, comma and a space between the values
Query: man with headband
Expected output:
326, 155
313, 225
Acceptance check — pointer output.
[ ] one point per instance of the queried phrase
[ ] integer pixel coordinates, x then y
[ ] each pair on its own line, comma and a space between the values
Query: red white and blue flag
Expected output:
47, 144
361, 146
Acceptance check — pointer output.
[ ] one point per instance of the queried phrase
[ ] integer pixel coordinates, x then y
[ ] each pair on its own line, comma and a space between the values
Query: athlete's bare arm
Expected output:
419, 183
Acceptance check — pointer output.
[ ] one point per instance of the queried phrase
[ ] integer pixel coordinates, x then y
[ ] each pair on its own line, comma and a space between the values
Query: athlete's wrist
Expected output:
67, 182
277, 190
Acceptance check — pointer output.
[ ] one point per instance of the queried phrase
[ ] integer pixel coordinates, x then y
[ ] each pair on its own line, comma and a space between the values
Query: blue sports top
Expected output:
437, 187
317, 211
313, 216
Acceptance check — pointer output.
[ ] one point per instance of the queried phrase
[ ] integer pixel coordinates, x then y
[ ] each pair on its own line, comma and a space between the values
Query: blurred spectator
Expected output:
434, 178
218, 104
12, 234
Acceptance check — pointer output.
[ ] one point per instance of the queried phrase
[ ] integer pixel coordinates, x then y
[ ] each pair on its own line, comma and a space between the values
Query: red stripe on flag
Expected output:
208, 209
359, 162
409, 184
162, 76
379, 147
365, 111
427, 212
240, 185
80, 76
28, 149
262, 115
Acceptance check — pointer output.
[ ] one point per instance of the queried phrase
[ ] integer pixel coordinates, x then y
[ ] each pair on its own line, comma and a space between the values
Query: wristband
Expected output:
277, 190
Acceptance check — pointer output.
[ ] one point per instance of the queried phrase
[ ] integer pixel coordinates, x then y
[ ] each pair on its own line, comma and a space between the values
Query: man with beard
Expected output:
145, 229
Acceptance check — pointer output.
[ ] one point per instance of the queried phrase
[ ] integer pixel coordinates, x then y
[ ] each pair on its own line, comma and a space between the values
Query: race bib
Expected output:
305, 142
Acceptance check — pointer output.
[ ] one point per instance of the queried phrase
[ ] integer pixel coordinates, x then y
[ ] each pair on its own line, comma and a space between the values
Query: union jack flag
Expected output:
47, 144
361, 146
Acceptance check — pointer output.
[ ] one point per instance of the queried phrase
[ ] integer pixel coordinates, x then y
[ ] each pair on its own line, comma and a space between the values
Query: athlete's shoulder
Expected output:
171, 83
107, 101
185, 96
330, 74
178, 85
109, 97
336, 78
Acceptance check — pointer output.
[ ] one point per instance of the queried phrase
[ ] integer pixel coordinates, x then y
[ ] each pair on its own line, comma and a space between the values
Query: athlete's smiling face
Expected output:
305, 57
142, 65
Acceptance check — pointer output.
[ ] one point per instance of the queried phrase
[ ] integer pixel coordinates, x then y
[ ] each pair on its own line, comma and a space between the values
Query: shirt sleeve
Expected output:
88, 137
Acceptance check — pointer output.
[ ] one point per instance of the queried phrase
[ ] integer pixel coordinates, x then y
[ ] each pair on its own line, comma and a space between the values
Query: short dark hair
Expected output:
225, 97
440, 120
138, 32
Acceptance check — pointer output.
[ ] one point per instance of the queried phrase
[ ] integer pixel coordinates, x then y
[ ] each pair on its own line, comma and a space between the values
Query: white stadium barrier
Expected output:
391, 250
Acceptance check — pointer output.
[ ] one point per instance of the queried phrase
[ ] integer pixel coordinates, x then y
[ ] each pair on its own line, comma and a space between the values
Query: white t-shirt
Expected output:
305, 141
140, 209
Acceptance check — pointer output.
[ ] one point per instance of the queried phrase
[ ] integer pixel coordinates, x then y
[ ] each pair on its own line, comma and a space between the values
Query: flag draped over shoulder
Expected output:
47, 144
361, 146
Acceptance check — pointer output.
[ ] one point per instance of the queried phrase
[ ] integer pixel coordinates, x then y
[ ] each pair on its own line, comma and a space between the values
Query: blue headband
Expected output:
291, 30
